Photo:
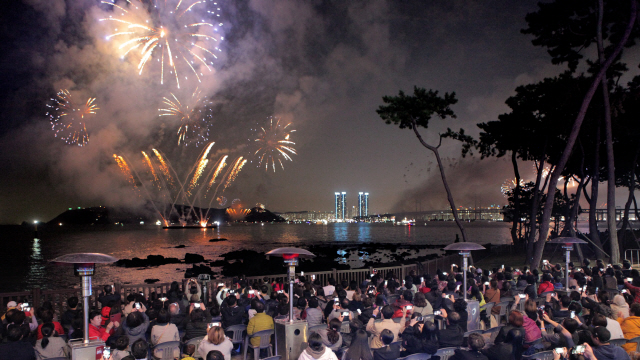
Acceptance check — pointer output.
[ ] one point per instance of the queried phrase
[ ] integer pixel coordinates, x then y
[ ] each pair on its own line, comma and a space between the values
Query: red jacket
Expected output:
56, 326
635, 290
98, 333
399, 305
544, 287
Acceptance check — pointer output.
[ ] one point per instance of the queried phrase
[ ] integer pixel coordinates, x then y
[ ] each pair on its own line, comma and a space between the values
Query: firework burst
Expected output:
68, 119
194, 115
183, 36
274, 144
508, 185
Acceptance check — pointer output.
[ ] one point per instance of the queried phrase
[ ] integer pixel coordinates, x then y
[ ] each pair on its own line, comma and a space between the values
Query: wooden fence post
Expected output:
335, 274
35, 295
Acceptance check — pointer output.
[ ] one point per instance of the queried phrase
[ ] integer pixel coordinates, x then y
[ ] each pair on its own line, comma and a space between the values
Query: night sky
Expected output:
324, 66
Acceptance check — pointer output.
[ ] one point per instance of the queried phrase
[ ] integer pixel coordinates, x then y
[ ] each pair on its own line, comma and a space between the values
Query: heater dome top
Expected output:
291, 252
85, 258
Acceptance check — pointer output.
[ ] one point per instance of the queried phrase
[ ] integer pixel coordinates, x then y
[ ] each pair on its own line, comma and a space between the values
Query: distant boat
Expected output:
190, 227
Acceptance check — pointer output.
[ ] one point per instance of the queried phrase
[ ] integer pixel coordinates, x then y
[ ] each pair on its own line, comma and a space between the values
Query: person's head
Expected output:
459, 305
313, 303
135, 319
599, 320
72, 302
95, 318
163, 316
531, 309
494, 284
546, 277
476, 341
359, 348
315, 342
47, 330
215, 335
600, 335
386, 337
122, 342
634, 309
571, 325
215, 355
46, 315
530, 279
15, 333
516, 318
407, 295
189, 349
453, 318
140, 349
174, 308
603, 297
258, 306
565, 301
387, 312
197, 315
301, 304
419, 300
231, 301
333, 334
108, 289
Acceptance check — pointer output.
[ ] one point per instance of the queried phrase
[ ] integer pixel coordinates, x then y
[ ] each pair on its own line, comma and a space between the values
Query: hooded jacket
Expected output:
232, 316
324, 354
138, 332
610, 352
620, 305
630, 328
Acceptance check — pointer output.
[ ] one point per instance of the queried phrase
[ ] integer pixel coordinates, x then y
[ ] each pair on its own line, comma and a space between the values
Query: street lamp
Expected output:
84, 266
290, 334
568, 246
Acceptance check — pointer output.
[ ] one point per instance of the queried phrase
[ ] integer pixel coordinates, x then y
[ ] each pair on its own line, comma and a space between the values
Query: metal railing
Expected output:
633, 255
58, 297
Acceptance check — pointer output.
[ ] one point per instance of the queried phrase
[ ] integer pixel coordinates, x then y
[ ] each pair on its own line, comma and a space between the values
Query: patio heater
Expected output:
473, 306
291, 334
84, 265
568, 246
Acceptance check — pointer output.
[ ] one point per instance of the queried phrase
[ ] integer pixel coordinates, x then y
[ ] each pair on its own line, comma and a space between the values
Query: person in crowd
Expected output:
215, 355
131, 301
17, 348
215, 340
139, 349
18, 318
359, 348
316, 350
491, 292
510, 348
46, 316
340, 308
387, 323
331, 336
121, 348
50, 346
515, 322
178, 318
164, 331
615, 331
421, 306
401, 304
136, 324
109, 295
546, 284
314, 314
72, 311
232, 314
634, 288
453, 335
530, 290
603, 349
95, 329
631, 326
259, 322
199, 322
476, 343
620, 307
560, 308
387, 352
330, 288
356, 301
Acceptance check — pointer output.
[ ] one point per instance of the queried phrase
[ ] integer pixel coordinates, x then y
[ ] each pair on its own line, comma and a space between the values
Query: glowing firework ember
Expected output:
274, 144
68, 119
509, 184
194, 115
181, 35
222, 201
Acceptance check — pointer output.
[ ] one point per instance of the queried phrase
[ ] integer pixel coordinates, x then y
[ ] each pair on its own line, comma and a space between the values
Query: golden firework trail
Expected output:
164, 168
172, 35
235, 170
68, 120
221, 164
202, 164
147, 161
126, 170
273, 144
194, 116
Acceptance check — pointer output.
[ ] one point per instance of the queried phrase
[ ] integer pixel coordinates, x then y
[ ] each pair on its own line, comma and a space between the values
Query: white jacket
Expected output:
328, 355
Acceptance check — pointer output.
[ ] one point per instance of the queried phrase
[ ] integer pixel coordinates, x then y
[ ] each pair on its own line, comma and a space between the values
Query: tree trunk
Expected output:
516, 196
632, 186
454, 210
533, 212
571, 140
611, 171
594, 233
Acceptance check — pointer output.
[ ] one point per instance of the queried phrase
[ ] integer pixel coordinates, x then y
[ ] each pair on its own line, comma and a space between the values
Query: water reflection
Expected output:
35, 275
364, 232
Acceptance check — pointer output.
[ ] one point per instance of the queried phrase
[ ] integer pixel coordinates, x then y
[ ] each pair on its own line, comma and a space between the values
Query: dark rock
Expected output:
193, 258
197, 270
151, 260
216, 240
151, 281
180, 247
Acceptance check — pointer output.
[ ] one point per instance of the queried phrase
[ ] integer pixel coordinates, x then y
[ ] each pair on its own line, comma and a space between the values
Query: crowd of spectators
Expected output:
381, 318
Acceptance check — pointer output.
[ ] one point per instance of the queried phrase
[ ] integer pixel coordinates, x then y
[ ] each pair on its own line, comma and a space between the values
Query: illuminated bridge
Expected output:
495, 214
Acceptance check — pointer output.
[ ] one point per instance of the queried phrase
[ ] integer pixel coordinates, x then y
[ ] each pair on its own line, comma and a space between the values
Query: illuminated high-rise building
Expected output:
341, 205
363, 204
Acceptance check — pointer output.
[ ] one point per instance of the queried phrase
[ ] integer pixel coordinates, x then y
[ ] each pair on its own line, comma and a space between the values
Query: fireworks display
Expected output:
273, 144
182, 36
68, 119
509, 184
194, 115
